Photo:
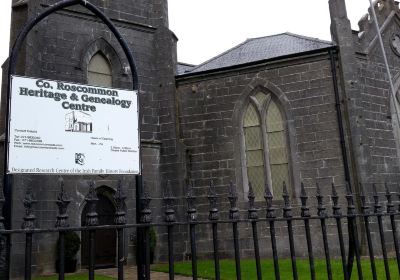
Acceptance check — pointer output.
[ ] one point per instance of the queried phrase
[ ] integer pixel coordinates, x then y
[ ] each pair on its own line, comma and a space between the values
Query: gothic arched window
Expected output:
100, 71
265, 145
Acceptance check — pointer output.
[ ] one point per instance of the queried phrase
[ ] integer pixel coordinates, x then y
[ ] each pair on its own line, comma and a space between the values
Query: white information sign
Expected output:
66, 128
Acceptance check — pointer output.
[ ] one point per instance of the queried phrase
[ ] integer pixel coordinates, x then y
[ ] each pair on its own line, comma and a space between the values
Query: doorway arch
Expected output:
105, 240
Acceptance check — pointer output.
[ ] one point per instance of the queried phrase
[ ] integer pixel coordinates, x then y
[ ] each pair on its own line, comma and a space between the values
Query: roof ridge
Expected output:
308, 38
294, 35
187, 64
221, 54
267, 36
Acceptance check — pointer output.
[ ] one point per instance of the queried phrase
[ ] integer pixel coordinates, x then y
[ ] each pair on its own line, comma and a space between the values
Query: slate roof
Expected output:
262, 48
183, 68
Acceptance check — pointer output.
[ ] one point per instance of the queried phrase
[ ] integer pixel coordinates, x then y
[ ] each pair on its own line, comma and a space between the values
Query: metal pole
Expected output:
92, 253
61, 256
28, 256
140, 249
392, 91
121, 255
256, 250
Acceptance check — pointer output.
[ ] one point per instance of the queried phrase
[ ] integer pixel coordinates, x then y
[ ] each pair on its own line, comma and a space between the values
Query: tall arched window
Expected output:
265, 145
99, 71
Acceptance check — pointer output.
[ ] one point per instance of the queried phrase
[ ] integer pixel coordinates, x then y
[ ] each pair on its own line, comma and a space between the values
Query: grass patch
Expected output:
206, 269
75, 276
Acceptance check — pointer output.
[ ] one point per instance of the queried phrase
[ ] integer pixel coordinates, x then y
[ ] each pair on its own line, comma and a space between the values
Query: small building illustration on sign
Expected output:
77, 121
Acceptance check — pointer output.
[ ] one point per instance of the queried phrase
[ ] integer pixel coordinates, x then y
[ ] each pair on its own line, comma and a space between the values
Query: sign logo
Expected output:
80, 158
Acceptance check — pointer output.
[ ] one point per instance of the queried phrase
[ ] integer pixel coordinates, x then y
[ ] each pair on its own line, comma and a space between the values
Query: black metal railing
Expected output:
375, 217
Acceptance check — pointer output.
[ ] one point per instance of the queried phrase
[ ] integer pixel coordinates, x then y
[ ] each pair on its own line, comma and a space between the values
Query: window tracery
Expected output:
265, 145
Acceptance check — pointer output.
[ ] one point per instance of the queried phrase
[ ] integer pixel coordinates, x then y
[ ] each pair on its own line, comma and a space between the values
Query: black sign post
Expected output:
7, 185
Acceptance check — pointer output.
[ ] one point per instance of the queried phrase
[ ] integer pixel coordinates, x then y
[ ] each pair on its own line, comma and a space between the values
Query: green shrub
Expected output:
152, 243
153, 239
72, 244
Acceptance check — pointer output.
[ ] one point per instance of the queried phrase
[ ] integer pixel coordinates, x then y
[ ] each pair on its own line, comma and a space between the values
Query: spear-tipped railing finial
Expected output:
190, 199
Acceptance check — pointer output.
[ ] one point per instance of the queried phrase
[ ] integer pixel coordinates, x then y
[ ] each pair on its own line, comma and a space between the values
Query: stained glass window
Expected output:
270, 148
277, 149
254, 148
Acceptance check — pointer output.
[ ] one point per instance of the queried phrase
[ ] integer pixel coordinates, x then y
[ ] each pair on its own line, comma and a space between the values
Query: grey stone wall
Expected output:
209, 117
207, 108
383, 160
375, 101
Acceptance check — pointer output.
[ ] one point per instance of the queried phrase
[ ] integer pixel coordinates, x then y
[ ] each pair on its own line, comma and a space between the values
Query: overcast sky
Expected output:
206, 28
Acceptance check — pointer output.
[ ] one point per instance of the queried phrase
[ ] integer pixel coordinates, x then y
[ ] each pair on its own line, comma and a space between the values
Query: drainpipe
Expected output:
339, 117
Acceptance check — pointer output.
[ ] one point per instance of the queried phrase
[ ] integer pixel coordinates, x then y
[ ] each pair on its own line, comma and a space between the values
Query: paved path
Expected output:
131, 274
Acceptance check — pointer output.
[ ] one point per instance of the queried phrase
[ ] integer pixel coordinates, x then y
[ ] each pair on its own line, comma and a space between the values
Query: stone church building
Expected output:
277, 108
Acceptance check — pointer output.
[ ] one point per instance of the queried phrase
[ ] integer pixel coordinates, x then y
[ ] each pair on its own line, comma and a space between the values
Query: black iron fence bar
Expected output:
120, 253
271, 219
146, 218
274, 250
92, 220
337, 216
170, 253
120, 219
192, 218
287, 213
92, 253
322, 214
236, 249
216, 252
28, 256
396, 242
253, 217
61, 256
3, 239
62, 202
256, 250
378, 212
305, 213
28, 224
146, 266
170, 218
193, 250
233, 216
390, 210
353, 235
214, 216
140, 250
365, 210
